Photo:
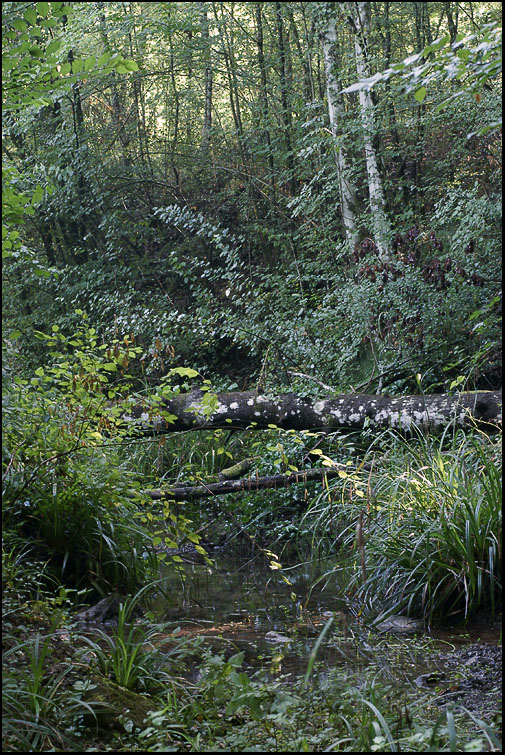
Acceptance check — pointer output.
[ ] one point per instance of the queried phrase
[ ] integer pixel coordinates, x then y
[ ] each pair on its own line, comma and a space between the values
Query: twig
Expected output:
310, 377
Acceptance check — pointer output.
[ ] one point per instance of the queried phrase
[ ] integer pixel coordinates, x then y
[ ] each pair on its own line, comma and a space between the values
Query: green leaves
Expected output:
31, 16
42, 9
473, 60
420, 94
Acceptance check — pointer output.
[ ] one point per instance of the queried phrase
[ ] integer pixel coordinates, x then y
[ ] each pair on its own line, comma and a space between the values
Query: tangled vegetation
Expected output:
273, 197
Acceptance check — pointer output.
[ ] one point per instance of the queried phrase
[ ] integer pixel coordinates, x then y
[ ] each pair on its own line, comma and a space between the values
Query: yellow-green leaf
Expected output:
420, 94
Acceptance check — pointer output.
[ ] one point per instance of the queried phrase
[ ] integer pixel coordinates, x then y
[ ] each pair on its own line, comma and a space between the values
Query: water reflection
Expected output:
242, 607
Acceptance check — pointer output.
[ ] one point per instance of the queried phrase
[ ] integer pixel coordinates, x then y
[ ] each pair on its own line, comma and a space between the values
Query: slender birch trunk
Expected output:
207, 119
359, 16
336, 110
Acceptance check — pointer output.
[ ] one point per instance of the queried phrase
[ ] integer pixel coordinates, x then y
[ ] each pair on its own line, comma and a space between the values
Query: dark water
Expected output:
237, 606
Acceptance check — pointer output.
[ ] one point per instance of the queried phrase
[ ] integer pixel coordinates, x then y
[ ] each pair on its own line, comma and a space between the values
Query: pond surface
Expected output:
248, 607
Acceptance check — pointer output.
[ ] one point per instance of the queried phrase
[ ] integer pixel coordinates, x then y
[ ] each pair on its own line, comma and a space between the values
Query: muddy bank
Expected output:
473, 678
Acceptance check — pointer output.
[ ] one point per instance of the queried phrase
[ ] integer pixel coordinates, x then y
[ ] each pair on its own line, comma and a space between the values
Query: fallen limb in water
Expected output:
245, 485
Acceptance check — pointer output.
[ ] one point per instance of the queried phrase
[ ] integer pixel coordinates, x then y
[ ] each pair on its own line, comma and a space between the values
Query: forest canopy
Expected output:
258, 190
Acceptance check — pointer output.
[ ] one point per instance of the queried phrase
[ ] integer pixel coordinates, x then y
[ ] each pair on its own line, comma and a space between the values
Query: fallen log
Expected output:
200, 410
187, 492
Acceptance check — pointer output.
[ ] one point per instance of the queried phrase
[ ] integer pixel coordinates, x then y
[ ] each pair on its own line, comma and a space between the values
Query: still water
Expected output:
246, 606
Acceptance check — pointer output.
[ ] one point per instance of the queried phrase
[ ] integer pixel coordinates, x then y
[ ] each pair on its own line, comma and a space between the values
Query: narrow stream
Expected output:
248, 607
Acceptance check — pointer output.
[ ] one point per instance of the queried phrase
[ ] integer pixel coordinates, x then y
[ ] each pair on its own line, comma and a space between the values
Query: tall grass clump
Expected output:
431, 527
434, 542
133, 654
40, 709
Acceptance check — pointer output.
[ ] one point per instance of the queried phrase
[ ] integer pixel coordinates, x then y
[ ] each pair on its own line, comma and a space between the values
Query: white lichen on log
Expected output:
348, 412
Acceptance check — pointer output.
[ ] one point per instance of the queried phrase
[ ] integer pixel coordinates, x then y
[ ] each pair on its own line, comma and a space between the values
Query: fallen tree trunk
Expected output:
199, 410
245, 485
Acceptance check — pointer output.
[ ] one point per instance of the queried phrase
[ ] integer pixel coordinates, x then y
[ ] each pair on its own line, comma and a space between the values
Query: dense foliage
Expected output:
181, 220
275, 196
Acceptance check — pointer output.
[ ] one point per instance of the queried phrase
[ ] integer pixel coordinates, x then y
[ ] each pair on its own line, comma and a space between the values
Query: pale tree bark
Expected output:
286, 106
198, 411
329, 42
264, 95
359, 18
207, 119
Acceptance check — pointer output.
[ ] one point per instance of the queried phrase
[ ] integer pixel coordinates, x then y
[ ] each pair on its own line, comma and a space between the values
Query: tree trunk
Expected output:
452, 22
229, 59
398, 160
118, 115
336, 111
175, 134
359, 16
309, 46
286, 107
264, 96
207, 119
199, 410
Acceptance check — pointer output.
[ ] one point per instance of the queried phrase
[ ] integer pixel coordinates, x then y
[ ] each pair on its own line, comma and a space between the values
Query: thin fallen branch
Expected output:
244, 485
311, 377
